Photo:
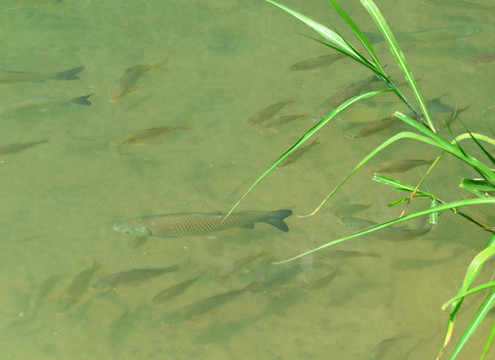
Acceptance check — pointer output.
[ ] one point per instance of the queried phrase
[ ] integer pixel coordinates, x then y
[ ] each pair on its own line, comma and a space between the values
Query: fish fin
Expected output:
248, 226
138, 143
276, 219
81, 100
69, 74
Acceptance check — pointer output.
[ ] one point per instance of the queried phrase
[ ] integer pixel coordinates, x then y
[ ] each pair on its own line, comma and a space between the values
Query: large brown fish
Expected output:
190, 224
18, 76
127, 82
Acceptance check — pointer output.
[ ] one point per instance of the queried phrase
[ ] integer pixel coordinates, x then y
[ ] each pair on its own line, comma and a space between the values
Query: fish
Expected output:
19, 147
317, 62
261, 117
372, 127
433, 35
335, 100
43, 104
282, 120
20, 76
323, 281
191, 224
396, 166
451, 117
206, 305
38, 294
326, 257
388, 233
240, 264
127, 82
296, 154
385, 349
347, 209
173, 291
132, 277
137, 137
77, 289
481, 60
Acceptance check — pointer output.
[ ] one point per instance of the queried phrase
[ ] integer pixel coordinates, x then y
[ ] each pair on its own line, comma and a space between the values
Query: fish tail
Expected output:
82, 100
69, 74
158, 66
276, 219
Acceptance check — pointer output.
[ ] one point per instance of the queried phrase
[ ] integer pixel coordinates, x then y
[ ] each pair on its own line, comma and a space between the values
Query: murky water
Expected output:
228, 59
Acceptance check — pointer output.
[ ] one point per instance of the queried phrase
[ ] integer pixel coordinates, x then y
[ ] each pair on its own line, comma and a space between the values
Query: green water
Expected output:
228, 59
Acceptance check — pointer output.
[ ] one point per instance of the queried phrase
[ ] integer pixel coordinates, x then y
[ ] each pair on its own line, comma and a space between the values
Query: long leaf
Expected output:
372, 9
323, 31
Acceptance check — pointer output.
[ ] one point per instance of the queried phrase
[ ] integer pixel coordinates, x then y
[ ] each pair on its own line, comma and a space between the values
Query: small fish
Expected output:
43, 104
267, 114
132, 277
435, 35
481, 60
240, 264
346, 209
388, 233
191, 224
19, 147
203, 306
373, 127
323, 281
18, 76
296, 154
451, 117
383, 350
127, 82
396, 166
77, 289
325, 257
282, 120
38, 295
137, 137
174, 291
317, 62
335, 100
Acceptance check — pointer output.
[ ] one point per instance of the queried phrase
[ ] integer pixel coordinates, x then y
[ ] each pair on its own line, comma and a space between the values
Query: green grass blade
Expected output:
488, 342
477, 186
372, 9
359, 34
306, 136
471, 274
328, 34
416, 214
475, 321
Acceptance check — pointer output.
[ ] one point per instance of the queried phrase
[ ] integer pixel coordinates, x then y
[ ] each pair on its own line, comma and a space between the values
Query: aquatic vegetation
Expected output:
425, 132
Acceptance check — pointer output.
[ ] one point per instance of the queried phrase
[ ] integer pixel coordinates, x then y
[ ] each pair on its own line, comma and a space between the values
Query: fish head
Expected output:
128, 228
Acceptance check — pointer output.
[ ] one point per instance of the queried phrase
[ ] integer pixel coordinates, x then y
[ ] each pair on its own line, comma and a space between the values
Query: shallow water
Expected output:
228, 59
